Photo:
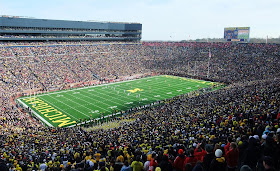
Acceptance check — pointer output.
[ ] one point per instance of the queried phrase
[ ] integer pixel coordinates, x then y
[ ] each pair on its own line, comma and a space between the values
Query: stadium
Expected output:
92, 96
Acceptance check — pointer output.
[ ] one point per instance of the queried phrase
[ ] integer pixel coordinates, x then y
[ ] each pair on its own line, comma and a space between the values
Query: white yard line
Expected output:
86, 101
99, 101
62, 109
129, 99
105, 94
57, 92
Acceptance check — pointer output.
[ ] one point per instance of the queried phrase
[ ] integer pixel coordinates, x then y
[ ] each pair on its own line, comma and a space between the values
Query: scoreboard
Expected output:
237, 34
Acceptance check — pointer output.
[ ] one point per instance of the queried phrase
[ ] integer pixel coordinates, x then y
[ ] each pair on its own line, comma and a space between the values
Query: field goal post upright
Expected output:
30, 92
188, 68
34, 99
34, 92
193, 68
209, 63
204, 62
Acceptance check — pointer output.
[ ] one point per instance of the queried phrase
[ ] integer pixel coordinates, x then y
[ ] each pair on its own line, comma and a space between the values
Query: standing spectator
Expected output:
191, 159
219, 162
165, 164
268, 164
118, 165
153, 163
269, 147
126, 167
199, 152
251, 154
198, 166
207, 159
232, 155
43, 166
3, 166
147, 163
245, 168
179, 161
137, 165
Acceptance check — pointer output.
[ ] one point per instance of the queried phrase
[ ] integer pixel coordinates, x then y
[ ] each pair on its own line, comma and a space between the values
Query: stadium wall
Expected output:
11, 27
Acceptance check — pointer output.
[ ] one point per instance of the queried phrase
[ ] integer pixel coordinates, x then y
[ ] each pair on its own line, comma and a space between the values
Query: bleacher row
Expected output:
248, 108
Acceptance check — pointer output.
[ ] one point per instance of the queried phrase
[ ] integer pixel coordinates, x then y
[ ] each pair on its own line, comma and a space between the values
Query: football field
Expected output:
67, 107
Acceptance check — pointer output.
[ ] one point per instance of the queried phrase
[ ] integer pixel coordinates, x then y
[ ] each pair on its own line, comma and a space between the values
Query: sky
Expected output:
173, 20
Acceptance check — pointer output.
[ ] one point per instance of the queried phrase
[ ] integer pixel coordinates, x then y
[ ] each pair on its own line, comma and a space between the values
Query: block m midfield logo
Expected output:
135, 90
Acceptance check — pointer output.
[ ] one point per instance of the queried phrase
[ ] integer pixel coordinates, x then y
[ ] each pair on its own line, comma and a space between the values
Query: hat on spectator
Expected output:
180, 151
218, 153
256, 137
149, 157
158, 169
264, 136
194, 144
245, 168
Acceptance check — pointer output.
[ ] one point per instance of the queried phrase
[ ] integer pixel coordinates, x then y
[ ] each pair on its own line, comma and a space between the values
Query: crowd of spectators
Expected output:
235, 128
228, 62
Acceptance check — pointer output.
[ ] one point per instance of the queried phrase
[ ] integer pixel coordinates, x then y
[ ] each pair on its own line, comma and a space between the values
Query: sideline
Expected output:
42, 119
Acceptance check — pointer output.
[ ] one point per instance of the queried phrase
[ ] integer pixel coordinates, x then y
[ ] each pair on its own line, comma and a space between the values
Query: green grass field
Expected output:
66, 108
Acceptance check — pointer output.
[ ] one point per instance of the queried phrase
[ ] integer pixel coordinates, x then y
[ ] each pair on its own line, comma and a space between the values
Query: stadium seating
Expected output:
247, 112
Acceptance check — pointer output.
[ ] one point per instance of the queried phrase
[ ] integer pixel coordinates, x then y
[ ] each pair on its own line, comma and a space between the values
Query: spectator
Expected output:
191, 159
179, 161
118, 165
165, 165
207, 159
43, 166
199, 152
147, 163
219, 162
268, 164
198, 166
3, 166
126, 167
252, 153
137, 165
245, 168
232, 155
153, 163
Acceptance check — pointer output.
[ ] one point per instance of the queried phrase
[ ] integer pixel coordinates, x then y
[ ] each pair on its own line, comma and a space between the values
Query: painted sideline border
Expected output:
41, 118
